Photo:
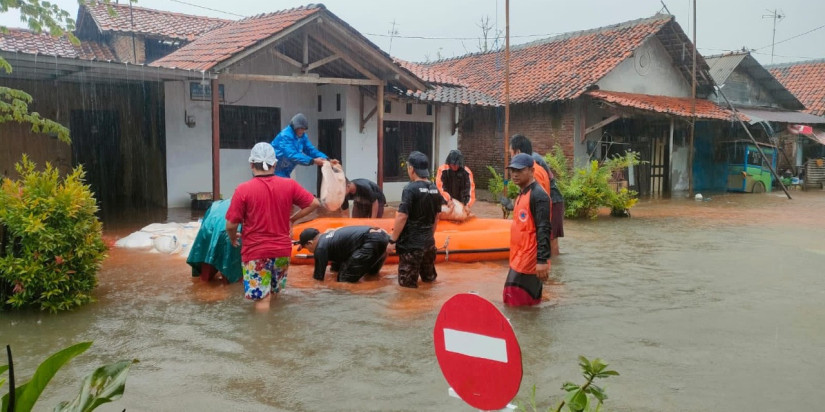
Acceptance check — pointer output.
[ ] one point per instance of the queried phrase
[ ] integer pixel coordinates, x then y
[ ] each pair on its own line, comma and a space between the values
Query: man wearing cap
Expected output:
415, 222
263, 205
354, 251
455, 181
292, 147
529, 236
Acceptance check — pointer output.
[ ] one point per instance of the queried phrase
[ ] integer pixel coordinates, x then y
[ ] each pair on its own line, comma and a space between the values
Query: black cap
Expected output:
306, 236
299, 121
520, 161
420, 163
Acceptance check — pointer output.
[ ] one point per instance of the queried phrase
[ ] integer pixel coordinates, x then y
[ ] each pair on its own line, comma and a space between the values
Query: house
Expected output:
771, 107
265, 69
806, 80
594, 93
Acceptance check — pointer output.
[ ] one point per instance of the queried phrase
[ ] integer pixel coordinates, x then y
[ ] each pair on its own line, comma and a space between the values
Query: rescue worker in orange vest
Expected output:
455, 181
529, 236
521, 144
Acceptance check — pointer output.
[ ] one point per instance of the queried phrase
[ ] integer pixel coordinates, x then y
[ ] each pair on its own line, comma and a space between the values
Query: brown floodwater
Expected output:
701, 306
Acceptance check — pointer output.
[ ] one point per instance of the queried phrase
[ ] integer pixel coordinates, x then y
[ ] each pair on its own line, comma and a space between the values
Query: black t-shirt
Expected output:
338, 246
366, 192
421, 202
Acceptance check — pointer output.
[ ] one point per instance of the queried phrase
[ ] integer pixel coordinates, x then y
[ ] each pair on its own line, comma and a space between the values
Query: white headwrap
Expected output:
263, 153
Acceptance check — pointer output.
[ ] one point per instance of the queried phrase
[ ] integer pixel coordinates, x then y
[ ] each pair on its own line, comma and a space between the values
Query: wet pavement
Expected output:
701, 306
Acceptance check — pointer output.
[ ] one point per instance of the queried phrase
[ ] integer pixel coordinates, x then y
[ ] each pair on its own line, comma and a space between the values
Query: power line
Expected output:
455, 38
207, 8
791, 38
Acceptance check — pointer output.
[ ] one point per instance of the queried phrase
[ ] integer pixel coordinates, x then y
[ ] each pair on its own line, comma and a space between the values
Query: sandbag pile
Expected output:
167, 238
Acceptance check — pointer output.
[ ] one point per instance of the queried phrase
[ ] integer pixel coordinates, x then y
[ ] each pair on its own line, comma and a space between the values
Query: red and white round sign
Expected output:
478, 352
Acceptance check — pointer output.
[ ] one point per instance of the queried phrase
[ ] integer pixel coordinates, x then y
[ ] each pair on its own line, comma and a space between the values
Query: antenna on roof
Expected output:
776, 15
393, 32
664, 7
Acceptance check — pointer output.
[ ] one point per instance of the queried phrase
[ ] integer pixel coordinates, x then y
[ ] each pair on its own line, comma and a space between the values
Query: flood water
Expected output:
701, 306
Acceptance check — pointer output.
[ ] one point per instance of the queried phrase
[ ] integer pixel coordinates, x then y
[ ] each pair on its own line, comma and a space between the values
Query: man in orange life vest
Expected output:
529, 236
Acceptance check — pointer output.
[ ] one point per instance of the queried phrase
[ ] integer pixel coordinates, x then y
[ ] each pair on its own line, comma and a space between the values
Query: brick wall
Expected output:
124, 50
480, 136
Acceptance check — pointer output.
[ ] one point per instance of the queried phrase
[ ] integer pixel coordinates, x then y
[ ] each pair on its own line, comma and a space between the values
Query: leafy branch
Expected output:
578, 397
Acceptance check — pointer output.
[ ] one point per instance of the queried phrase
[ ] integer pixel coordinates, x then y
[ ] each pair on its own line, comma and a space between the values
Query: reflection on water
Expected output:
697, 304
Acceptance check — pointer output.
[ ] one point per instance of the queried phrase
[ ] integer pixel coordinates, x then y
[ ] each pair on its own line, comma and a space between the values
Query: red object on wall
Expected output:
478, 352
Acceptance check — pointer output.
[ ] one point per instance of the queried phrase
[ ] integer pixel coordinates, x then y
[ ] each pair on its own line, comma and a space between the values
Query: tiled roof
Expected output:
25, 41
454, 94
558, 68
149, 22
218, 45
677, 106
806, 80
429, 74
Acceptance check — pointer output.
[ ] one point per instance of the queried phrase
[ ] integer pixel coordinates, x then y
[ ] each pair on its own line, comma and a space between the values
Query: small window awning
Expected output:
781, 116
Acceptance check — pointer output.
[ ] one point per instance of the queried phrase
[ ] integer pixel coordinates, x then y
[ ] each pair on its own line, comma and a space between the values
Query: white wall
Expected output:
649, 71
189, 150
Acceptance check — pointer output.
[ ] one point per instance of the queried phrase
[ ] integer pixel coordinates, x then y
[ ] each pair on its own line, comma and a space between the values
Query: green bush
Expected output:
587, 189
55, 244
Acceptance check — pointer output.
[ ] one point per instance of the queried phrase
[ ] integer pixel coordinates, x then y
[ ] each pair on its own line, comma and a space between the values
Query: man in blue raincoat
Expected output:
292, 147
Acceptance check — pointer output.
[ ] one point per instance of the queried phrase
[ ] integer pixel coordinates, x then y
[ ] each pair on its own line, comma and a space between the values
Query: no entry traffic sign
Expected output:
477, 351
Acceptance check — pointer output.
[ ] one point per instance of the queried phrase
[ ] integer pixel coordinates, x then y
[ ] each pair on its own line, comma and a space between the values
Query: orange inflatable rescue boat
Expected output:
474, 240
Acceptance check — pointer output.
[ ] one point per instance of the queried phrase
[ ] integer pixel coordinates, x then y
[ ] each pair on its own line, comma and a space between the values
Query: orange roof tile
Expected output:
429, 74
806, 80
218, 45
26, 41
152, 23
677, 106
559, 68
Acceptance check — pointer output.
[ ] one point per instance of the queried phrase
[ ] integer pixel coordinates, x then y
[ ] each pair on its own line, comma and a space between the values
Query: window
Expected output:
409, 108
429, 110
243, 126
387, 107
200, 91
338, 102
319, 103
401, 138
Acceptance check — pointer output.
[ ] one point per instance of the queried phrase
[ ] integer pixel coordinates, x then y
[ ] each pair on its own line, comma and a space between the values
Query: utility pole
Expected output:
506, 90
776, 15
693, 108
393, 32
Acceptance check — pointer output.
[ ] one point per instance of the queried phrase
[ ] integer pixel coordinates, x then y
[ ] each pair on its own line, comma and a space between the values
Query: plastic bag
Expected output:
333, 186
455, 211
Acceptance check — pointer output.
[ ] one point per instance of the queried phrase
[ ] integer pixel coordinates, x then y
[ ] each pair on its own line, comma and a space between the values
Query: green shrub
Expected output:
55, 244
496, 185
588, 189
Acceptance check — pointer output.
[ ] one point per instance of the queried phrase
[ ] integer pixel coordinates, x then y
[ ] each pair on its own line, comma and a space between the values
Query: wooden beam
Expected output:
299, 79
285, 58
379, 104
216, 141
369, 116
344, 57
602, 123
319, 63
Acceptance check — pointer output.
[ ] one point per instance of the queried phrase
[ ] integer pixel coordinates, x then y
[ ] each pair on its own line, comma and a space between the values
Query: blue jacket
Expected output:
292, 151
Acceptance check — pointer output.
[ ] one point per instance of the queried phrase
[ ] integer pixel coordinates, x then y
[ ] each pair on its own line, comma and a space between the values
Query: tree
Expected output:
38, 16
488, 35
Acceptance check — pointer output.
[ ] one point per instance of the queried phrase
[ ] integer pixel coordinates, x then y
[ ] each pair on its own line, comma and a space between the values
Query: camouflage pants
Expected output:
415, 263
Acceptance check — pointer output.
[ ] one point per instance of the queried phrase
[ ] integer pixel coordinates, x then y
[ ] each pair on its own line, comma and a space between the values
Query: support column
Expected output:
216, 141
379, 103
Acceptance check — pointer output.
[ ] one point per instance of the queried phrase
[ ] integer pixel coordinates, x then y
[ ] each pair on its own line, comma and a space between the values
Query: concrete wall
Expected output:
649, 70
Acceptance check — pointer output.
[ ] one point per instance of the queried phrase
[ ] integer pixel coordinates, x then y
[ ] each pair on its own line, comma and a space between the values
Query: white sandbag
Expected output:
333, 186
137, 240
167, 244
454, 211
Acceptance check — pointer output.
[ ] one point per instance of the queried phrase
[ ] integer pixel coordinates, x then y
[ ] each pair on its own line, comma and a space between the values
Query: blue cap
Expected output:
299, 121
520, 161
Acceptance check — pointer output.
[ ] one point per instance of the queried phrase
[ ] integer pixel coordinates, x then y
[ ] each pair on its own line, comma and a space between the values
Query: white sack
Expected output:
333, 186
455, 211
137, 240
